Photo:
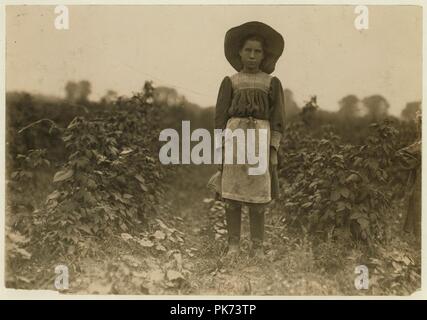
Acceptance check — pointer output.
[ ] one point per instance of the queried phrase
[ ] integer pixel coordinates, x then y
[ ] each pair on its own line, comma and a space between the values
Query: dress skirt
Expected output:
237, 182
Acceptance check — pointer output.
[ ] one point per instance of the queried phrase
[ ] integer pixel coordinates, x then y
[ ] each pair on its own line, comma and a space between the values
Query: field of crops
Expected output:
85, 189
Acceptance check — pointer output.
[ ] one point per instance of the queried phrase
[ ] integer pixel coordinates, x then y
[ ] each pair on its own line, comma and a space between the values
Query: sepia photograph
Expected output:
213, 150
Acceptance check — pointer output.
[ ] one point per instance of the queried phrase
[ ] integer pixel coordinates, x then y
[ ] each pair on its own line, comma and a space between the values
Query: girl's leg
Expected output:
256, 217
233, 214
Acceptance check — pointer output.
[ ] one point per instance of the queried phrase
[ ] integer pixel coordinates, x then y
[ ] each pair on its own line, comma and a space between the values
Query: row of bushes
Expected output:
337, 189
108, 179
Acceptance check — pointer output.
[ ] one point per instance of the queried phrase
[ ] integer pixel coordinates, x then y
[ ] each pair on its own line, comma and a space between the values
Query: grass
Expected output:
294, 264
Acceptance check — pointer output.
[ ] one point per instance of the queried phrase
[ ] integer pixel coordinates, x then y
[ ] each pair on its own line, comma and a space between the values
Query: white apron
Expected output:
237, 183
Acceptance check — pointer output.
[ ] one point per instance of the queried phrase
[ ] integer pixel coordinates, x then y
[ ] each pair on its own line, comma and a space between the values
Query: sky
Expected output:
120, 47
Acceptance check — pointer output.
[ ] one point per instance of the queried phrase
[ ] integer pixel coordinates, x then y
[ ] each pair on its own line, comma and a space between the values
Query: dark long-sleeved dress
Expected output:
245, 101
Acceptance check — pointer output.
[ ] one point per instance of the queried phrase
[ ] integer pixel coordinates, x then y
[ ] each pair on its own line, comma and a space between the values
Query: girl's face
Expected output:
251, 54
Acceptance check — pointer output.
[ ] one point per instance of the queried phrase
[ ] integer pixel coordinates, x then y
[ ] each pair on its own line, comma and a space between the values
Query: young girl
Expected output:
250, 99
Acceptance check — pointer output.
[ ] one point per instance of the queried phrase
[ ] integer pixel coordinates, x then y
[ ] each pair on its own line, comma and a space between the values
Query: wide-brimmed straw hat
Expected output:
274, 44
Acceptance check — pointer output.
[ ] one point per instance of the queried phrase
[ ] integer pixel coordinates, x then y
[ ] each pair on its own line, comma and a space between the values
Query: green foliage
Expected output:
397, 269
16, 253
31, 175
109, 180
338, 190
15, 248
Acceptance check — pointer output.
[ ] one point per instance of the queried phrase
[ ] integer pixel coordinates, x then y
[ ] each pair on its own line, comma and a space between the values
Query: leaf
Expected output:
24, 253
189, 253
63, 175
335, 195
140, 178
344, 192
126, 151
374, 164
357, 161
171, 252
156, 275
313, 184
27, 174
406, 260
355, 215
113, 150
161, 224
307, 204
168, 230
143, 187
146, 243
338, 156
71, 249
352, 178
82, 162
159, 247
160, 235
221, 231
341, 206
396, 266
385, 175
150, 159
178, 259
24, 279
173, 275
55, 194
171, 238
117, 196
328, 213
91, 184
85, 229
67, 138
126, 236
16, 237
